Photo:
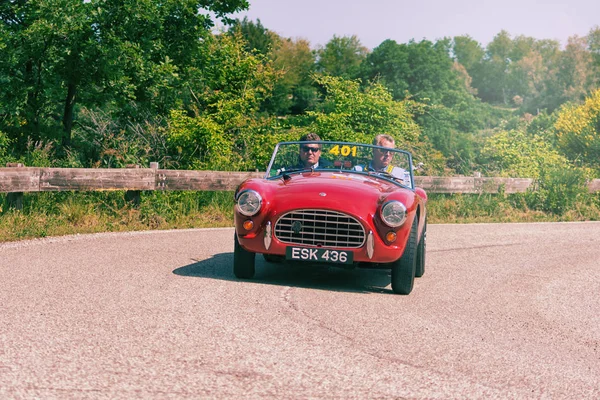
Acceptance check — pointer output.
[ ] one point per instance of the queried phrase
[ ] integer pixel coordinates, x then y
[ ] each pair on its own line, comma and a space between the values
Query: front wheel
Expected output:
403, 270
243, 261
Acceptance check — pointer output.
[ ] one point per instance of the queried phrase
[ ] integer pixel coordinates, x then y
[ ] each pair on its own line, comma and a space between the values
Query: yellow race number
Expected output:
345, 150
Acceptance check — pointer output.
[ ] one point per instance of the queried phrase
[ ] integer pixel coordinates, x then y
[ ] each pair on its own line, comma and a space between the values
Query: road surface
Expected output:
503, 311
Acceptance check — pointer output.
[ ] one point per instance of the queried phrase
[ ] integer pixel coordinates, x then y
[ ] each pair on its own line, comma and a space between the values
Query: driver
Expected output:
310, 152
309, 155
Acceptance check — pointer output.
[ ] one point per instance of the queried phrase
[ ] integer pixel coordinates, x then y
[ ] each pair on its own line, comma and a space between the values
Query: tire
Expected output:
403, 270
243, 261
420, 269
273, 258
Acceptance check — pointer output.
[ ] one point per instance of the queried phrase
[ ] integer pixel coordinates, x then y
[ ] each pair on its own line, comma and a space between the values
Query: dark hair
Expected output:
310, 137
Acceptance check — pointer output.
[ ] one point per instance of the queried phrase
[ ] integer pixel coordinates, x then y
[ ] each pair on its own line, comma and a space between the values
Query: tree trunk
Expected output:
32, 99
68, 115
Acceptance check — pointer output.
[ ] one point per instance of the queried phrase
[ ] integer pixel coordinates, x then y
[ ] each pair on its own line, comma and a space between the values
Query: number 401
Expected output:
344, 150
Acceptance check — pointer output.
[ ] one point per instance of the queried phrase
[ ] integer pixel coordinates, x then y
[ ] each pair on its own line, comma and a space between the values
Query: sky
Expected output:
374, 21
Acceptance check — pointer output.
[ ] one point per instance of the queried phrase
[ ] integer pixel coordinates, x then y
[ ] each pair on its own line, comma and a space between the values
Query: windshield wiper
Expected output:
386, 174
284, 172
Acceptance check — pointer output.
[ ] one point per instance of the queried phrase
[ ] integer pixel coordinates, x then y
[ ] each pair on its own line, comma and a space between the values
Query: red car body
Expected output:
345, 192
345, 202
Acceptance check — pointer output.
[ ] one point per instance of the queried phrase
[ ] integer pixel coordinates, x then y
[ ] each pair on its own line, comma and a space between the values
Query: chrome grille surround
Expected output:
312, 227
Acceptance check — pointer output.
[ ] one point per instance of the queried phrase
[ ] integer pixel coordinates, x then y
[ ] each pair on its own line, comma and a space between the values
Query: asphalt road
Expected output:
503, 311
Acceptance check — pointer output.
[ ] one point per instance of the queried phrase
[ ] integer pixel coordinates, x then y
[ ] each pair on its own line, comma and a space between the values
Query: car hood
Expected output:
343, 191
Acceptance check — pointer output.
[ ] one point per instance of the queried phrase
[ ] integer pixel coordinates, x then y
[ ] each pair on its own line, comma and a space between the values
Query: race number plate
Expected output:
318, 255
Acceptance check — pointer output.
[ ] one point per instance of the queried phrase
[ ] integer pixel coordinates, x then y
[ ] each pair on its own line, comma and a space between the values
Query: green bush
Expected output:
104, 142
558, 190
516, 154
38, 154
4, 148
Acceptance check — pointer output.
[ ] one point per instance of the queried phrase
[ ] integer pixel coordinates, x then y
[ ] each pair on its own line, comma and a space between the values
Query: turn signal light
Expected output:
248, 224
390, 237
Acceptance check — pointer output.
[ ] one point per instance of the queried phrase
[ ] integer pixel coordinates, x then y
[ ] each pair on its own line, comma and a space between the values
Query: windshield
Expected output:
383, 162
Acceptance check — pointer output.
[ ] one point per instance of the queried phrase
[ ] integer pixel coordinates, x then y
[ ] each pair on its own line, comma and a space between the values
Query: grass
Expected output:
64, 213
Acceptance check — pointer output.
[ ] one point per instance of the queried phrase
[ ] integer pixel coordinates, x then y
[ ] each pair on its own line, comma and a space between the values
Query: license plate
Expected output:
318, 255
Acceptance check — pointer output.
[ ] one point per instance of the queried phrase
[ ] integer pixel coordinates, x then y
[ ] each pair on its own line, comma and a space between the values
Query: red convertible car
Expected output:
346, 210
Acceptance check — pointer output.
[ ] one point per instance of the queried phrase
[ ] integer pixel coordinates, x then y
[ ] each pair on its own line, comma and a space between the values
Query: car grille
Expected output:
320, 228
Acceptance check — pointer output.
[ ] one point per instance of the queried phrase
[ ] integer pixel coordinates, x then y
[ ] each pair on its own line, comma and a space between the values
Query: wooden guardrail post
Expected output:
14, 199
477, 182
133, 196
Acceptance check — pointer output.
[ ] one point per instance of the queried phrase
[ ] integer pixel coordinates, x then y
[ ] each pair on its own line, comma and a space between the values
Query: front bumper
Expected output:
262, 239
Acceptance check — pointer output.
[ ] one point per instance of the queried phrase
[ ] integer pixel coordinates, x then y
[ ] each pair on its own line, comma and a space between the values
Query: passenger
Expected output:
382, 159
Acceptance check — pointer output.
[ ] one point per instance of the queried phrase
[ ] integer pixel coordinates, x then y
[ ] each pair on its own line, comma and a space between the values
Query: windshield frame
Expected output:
405, 153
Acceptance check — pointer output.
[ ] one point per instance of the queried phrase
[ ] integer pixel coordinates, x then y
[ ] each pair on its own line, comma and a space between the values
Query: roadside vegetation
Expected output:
132, 82
58, 214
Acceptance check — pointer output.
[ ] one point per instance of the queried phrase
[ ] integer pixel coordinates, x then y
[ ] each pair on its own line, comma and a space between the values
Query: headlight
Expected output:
393, 213
249, 203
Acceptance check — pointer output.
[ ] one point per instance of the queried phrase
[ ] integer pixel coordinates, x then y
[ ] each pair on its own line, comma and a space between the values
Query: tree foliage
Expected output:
578, 130
227, 89
60, 53
349, 113
421, 70
468, 52
514, 153
341, 56
107, 83
293, 91
257, 37
4, 145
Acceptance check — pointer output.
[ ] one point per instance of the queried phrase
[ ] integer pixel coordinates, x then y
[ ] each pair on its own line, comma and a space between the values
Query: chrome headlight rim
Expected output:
242, 202
385, 216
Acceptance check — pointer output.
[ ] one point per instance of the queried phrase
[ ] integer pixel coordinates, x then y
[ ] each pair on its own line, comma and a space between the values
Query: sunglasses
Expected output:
306, 149
384, 151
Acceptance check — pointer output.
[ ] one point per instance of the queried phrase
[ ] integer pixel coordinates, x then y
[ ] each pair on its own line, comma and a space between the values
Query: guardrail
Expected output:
17, 179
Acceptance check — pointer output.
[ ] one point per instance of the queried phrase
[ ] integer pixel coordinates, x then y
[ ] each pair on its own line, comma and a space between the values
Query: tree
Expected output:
534, 77
464, 77
423, 70
228, 88
60, 52
349, 113
150, 45
468, 52
515, 153
426, 72
527, 78
4, 143
574, 75
388, 64
36, 49
341, 56
578, 131
294, 91
257, 37
492, 85
521, 47
593, 42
